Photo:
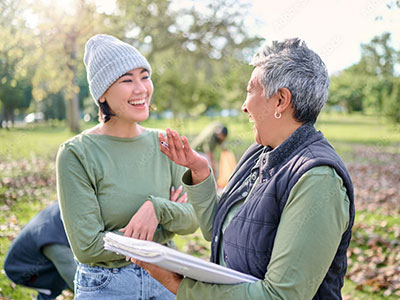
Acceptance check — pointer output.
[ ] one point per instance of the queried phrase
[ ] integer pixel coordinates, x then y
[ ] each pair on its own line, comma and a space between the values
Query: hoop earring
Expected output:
277, 115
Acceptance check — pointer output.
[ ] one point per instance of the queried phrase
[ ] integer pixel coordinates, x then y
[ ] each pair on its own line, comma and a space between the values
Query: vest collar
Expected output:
272, 159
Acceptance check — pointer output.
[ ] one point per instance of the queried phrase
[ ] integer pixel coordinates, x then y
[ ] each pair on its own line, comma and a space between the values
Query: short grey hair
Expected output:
291, 64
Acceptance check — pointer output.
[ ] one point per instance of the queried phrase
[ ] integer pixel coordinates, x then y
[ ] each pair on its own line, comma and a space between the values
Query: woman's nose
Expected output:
244, 108
139, 88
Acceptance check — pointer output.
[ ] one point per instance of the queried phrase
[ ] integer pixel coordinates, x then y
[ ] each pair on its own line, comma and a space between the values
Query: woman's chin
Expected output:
256, 136
142, 117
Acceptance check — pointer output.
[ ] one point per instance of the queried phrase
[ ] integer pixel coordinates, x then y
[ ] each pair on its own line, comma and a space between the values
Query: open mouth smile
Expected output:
137, 102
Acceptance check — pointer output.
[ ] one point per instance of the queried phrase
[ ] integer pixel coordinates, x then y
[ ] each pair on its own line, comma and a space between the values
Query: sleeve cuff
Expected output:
188, 182
157, 204
203, 190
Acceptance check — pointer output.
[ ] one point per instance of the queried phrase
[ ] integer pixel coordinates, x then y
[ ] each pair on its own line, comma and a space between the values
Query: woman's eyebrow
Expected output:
130, 74
126, 74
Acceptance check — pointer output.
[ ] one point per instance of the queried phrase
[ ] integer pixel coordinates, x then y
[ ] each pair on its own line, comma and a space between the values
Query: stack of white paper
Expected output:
174, 260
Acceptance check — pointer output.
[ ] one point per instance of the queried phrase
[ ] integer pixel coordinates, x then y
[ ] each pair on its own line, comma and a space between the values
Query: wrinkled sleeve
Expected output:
175, 217
203, 197
311, 226
80, 209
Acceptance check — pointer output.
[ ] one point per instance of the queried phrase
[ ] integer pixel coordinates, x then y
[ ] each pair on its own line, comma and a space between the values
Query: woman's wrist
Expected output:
199, 175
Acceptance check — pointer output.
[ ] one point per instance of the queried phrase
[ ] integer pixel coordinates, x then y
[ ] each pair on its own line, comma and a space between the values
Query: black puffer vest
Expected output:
249, 238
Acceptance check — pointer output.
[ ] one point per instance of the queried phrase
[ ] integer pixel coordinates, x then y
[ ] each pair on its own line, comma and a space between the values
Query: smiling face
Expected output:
259, 109
129, 96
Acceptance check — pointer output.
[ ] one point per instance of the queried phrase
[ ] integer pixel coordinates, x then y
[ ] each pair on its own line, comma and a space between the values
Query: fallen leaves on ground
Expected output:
26, 180
373, 261
376, 179
374, 253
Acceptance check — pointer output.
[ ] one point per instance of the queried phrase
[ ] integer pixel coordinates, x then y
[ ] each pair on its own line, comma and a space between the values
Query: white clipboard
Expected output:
174, 260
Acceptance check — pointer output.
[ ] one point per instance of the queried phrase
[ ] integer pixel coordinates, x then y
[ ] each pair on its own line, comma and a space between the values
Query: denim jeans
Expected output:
130, 282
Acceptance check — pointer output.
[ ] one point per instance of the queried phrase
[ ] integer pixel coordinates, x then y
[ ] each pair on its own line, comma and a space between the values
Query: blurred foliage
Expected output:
16, 48
62, 34
373, 84
198, 53
195, 51
198, 50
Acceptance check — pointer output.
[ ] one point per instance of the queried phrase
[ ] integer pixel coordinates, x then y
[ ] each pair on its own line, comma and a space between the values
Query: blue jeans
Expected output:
130, 282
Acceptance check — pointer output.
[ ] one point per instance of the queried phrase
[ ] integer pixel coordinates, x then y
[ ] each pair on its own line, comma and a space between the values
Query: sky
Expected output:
334, 29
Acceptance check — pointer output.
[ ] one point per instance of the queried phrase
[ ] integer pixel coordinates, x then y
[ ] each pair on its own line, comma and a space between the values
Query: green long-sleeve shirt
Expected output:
102, 181
318, 204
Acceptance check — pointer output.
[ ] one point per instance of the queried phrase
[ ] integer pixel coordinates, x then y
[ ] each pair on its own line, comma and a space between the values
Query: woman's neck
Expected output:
120, 129
283, 133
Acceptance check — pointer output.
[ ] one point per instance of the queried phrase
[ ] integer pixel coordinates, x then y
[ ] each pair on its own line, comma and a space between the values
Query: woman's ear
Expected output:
285, 100
102, 100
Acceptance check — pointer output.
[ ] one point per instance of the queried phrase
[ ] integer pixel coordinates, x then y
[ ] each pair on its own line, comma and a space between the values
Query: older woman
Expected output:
287, 212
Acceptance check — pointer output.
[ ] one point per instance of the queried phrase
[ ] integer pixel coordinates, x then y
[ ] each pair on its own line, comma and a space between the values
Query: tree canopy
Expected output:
371, 85
199, 53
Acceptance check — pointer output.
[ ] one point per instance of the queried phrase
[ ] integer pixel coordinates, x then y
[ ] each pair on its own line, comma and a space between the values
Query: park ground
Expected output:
369, 146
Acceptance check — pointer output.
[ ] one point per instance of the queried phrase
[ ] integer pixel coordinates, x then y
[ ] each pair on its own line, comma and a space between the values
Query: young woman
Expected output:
113, 177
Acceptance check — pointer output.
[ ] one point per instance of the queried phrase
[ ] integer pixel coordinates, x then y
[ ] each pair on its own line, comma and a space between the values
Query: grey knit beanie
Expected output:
106, 59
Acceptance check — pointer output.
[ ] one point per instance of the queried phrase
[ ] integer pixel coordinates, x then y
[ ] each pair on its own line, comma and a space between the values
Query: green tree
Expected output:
15, 50
62, 36
392, 107
347, 90
370, 84
197, 52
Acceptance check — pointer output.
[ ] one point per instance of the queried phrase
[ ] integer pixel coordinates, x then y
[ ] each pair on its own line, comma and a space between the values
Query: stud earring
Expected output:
277, 115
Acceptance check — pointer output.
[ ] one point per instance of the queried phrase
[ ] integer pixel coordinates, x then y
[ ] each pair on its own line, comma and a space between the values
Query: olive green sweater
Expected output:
102, 181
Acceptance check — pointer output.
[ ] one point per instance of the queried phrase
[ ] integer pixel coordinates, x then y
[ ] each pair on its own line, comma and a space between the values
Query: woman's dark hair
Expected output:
105, 112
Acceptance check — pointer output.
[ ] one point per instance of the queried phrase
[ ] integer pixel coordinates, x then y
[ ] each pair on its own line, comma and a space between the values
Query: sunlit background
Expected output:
201, 48
199, 51
335, 29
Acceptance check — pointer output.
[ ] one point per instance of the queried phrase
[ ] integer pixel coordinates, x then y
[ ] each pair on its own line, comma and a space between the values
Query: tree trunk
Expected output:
12, 116
72, 106
9, 116
73, 114
74, 126
3, 117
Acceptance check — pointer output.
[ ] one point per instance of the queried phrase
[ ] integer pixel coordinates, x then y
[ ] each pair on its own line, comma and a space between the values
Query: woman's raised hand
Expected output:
179, 151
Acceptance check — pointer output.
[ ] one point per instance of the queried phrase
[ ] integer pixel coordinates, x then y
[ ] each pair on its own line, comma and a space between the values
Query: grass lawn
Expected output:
368, 145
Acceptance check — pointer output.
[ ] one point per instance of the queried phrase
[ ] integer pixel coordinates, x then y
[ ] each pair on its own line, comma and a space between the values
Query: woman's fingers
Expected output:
149, 236
178, 146
177, 149
175, 144
186, 146
136, 234
171, 145
183, 198
164, 145
127, 231
174, 195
